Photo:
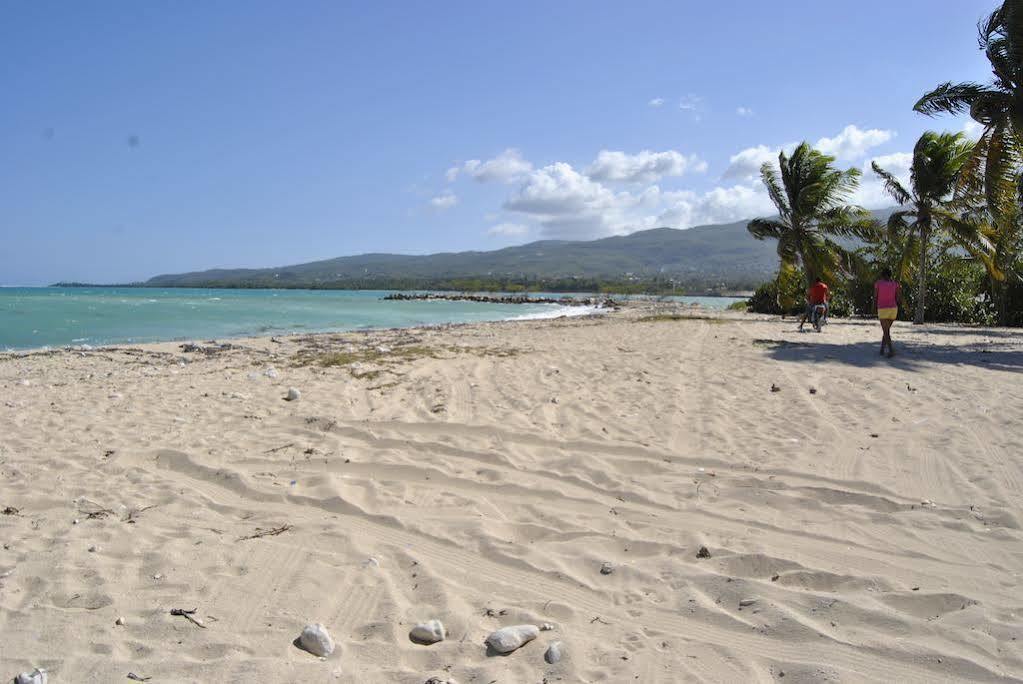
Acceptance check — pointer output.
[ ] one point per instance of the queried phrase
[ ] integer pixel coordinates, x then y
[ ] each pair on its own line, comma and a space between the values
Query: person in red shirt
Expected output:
816, 294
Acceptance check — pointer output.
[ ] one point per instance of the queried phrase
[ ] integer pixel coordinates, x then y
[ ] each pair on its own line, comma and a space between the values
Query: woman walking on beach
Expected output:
886, 303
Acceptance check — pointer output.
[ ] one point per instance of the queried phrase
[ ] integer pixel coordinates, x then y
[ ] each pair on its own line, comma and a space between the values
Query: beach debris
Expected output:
775, 388
293, 394
316, 640
508, 639
813, 390
429, 632
189, 615
271, 532
775, 577
93, 549
280, 448
36, 676
138, 678
704, 552
747, 602
553, 653
132, 515
371, 562
10, 510
438, 680
606, 568
157, 576
116, 396
546, 627
121, 621
271, 373
597, 618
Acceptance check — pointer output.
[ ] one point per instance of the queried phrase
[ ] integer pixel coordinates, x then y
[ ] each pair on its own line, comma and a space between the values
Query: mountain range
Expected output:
707, 258
724, 255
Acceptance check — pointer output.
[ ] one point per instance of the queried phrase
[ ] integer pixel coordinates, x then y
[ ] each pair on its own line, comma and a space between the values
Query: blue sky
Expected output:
139, 138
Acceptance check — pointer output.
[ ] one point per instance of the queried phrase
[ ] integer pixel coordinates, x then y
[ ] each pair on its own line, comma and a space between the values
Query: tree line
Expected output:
956, 238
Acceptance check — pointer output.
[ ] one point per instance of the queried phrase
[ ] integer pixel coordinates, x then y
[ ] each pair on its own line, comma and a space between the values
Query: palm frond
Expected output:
950, 98
762, 228
892, 185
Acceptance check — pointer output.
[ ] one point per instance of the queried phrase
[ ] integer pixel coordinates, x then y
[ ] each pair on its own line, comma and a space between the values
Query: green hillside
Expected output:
716, 255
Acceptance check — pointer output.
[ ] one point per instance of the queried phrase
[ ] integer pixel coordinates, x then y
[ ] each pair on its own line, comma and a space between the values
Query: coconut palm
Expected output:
812, 200
998, 106
931, 206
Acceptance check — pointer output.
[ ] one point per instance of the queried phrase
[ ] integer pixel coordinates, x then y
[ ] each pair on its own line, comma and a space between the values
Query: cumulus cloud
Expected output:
444, 201
744, 111
656, 102
509, 230
853, 143
569, 204
871, 193
452, 173
745, 164
644, 167
507, 167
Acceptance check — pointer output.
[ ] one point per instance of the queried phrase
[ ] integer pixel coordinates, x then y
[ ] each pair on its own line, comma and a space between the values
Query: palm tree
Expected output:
998, 106
811, 196
938, 161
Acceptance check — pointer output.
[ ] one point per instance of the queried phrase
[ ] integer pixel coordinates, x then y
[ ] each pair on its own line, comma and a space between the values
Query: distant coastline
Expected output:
561, 286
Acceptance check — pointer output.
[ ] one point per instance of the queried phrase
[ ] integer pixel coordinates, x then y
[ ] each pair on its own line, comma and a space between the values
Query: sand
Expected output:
862, 522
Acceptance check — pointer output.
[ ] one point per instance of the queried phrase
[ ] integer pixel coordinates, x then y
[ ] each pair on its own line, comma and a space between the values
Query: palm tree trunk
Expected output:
921, 277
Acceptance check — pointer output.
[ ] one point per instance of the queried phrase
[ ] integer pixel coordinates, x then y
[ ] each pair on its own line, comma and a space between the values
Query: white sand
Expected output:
486, 487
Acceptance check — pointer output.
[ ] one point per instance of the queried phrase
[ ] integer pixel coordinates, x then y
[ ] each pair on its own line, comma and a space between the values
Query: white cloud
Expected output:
746, 163
452, 173
692, 104
744, 111
509, 230
656, 102
507, 167
644, 167
568, 204
871, 193
685, 208
444, 201
853, 143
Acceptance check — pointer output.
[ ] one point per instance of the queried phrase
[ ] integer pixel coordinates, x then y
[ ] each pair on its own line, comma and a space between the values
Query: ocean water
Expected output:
57, 317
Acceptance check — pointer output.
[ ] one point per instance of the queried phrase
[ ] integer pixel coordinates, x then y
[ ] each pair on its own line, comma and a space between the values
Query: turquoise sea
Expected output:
57, 317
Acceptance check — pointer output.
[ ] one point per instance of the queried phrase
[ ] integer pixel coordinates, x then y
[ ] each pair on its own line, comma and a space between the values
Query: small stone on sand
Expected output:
429, 632
293, 394
120, 622
316, 640
606, 569
747, 602
508, 639
553, 653
36, 676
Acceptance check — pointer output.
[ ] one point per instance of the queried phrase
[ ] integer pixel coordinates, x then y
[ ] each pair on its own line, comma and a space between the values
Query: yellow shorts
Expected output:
888, 314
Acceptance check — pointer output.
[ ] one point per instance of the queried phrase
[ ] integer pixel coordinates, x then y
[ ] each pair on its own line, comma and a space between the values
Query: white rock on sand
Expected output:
429, 632
316, 640
553, 653
293, 394
508, 639
36, 676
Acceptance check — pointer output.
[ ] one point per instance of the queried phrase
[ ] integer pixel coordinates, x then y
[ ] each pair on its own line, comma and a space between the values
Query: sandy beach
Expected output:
861, 520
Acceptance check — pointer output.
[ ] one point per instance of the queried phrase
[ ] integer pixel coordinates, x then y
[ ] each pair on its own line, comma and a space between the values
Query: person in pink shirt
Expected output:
886, 302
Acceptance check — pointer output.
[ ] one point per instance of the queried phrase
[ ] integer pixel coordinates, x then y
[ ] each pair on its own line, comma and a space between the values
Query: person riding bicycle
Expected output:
817, 294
